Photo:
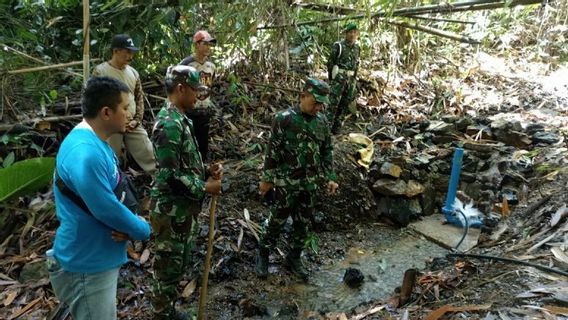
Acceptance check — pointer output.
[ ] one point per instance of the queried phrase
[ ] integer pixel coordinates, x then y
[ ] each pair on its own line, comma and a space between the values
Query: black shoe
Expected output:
262, 263
295, 262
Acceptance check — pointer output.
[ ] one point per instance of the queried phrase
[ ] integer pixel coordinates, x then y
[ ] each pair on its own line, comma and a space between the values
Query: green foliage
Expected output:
25, 177
312, 242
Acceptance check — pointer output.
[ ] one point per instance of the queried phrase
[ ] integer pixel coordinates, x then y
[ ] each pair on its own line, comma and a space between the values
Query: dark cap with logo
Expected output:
123, 41
318, 88
185, 75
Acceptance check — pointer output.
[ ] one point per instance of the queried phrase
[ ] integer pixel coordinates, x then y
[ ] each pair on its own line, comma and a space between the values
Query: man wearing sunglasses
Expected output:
204, 107
179, 189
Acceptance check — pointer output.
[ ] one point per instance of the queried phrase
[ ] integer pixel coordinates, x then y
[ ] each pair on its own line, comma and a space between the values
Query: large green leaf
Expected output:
24, 177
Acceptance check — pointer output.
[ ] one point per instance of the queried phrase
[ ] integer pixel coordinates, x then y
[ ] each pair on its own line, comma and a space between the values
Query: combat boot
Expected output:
294, 259
262, 263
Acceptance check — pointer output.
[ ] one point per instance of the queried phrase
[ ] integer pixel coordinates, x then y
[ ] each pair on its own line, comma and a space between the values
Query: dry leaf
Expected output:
144, 257
240, 239
560, 213
10, 298
189, 289
505, 211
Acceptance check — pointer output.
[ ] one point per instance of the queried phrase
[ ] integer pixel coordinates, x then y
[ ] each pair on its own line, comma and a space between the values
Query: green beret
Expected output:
350, 26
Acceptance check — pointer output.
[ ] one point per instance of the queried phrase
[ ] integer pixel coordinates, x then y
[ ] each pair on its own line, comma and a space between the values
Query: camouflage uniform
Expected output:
298, 157
177, 193
344, 84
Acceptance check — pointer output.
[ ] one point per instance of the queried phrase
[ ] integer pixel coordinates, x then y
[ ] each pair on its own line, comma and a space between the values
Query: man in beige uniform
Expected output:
136, 138
204, 108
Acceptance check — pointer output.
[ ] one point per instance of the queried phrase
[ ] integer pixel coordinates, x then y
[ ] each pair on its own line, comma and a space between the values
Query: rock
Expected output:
443, 139
33, 272
473, 130
390, 169
511, 194
463, 123
399, 209
439, 127
472, 189
410, 132
449, 118
353, 278
251, 308
513, 138
533, 128
545, 137
428, 200
389, 187
413, 188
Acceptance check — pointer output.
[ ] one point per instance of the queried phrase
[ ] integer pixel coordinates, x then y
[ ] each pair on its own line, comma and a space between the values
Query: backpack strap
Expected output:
70, 194
340, 49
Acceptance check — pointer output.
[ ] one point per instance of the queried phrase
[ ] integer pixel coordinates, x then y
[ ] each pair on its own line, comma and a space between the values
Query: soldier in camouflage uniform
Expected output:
342, 72
298, 158
180, 186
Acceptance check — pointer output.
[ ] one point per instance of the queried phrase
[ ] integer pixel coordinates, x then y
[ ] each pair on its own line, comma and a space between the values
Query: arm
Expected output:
332, 59
326, 150
272, 158
167, 140
96, 190
139, 98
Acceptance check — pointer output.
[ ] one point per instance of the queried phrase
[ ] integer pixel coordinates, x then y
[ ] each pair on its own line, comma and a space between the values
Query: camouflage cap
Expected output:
350, 26
318, 88
186, 75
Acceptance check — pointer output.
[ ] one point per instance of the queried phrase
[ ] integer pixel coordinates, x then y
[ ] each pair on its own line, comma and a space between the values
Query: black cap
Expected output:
123, 41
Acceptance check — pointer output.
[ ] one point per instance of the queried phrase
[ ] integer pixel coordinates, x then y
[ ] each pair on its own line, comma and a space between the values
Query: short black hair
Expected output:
101, 92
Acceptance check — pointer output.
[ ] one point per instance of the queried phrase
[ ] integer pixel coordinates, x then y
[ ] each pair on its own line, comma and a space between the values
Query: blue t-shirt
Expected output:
83, 242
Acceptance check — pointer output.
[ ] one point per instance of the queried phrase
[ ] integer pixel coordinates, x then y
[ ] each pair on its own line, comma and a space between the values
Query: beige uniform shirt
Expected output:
206, 73
131, 78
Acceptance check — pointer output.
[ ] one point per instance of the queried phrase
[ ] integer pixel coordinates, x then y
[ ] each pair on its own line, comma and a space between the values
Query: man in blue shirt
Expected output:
90, 245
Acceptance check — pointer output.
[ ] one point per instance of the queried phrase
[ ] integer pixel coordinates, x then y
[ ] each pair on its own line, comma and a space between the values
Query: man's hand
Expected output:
264, 187
119, 236
213, 186
132, 125
332, 187
216, 171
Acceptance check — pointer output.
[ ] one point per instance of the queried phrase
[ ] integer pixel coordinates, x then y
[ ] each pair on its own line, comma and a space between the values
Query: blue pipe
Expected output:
448, 209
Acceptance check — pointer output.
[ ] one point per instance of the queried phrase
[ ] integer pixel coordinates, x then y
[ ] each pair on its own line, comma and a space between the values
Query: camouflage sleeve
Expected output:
326, 150
167, 141
332, 58
139, 98
357, 60
272, 158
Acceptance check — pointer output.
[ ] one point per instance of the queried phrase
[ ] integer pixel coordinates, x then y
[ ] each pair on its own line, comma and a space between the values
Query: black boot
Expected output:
262, 263
294, 259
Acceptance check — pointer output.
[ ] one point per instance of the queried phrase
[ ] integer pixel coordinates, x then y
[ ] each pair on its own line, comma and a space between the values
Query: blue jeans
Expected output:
90, 296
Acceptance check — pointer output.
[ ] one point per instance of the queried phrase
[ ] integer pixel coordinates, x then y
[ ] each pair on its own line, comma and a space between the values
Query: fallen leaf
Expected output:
559, 215
189, 289
144, 257
10, 298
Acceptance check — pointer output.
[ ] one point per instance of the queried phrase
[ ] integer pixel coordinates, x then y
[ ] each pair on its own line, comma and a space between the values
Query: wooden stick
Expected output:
434, 31
203, 294
49, 67
440, 19
23, 54
86, 41
8, 127
438, 8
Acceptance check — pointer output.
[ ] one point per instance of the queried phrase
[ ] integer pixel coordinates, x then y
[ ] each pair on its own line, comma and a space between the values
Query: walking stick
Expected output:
203, 294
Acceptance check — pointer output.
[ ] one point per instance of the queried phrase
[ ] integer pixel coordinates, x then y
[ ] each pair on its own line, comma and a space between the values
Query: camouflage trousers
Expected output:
174, 225
343, 91
297, 204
